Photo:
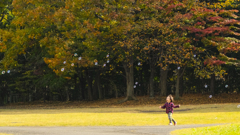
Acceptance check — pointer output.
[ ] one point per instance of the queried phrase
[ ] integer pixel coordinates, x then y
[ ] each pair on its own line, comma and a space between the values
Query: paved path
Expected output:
110, 130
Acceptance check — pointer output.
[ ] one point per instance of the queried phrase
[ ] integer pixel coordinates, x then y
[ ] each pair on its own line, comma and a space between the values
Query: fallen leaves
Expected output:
187, 99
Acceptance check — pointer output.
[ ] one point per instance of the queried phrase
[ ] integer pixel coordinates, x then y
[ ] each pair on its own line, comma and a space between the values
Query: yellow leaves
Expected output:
69, 78
31, 36
113, 22
187, 56
3, 48
111, 68
167, 42
224, 4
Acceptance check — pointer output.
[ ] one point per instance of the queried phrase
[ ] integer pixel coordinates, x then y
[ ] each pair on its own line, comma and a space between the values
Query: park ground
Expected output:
187, 99
195, 109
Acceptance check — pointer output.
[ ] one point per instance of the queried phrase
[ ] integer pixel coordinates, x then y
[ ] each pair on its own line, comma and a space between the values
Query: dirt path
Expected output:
110, 130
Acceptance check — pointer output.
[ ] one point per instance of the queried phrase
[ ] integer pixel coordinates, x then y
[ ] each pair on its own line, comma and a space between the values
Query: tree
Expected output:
213, 32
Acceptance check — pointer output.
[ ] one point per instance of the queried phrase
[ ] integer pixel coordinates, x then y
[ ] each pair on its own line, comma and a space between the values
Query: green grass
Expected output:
135, 116
230, 129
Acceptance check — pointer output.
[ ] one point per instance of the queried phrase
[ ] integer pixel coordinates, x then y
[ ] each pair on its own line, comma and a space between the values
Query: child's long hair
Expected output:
171, 97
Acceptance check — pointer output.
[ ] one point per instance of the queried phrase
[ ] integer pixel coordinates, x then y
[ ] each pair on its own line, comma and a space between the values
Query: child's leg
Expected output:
170, 117
173, 120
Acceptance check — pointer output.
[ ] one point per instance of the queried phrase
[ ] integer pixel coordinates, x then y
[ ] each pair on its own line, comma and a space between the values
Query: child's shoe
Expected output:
175, 123
170, 123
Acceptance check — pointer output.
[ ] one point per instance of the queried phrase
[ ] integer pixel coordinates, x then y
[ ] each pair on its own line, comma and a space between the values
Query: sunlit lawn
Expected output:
136, 116
229, 129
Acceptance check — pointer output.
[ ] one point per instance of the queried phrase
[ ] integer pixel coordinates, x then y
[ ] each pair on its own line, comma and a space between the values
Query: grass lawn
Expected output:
119, 116
229, 129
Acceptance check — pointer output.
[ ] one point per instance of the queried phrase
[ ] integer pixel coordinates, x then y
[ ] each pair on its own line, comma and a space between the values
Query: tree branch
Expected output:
183, 71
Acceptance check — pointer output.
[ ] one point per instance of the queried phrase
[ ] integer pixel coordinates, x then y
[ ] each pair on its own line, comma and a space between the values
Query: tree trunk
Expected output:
89, 82
76, 89
100, 93
95, 88
114, 87
2, 95
179, 76
181, 90
82, 87
212, 85
130, 80
151, 81
177, 85
95, 91
45, 94
116, 93
163, 82
141, 84
67, 93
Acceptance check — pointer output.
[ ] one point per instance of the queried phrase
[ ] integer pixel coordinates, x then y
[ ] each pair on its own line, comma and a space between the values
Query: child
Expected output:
169, 109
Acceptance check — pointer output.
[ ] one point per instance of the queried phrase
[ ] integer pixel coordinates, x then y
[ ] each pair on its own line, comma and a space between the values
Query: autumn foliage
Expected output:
72, 38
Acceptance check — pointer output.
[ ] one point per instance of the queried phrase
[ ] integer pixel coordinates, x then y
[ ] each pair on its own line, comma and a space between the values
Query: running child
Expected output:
169, 109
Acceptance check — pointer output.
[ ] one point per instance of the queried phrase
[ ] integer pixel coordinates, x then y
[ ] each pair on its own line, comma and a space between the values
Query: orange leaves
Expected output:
146, 48
66, 7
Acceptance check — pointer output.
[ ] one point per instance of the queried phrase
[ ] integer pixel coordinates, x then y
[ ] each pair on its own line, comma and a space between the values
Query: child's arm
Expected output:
175, 106
164, 106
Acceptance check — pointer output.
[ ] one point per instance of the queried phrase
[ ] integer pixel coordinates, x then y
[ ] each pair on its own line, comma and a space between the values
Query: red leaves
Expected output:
199, 23
219, 39
211, 30
234, 47
173, 6
229, 22
208, 10
188, 15
214, 19
159, 8
213, 61
194, 30
208, 31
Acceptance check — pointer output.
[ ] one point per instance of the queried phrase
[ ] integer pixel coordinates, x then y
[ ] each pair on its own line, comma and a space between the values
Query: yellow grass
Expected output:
229, 129
200, 114
114, 119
